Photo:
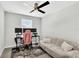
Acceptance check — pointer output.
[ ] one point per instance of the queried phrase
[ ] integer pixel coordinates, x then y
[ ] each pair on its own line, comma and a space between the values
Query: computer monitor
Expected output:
18, 30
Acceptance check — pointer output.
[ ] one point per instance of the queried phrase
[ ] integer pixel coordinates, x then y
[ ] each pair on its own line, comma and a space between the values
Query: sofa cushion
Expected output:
65, 46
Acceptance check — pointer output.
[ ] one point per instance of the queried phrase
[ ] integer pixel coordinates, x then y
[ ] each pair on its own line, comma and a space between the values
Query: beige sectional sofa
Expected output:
57, 48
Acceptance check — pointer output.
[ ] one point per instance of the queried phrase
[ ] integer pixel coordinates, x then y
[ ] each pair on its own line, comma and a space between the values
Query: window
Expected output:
25, 23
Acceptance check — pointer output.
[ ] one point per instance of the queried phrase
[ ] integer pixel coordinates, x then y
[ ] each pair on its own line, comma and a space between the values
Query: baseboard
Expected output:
10, 46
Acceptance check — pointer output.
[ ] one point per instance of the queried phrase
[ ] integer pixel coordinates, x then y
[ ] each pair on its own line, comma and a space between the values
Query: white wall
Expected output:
1, 30
14, 20
62, 24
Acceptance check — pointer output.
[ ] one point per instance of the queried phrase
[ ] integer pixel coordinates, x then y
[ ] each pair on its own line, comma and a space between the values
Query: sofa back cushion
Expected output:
46, 40
59, 41
54, 40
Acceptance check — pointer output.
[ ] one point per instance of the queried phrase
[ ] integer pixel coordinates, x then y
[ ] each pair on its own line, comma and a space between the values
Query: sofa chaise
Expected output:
60, 48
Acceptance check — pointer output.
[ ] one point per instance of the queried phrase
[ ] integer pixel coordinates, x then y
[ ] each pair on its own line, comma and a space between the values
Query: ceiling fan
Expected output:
36, 7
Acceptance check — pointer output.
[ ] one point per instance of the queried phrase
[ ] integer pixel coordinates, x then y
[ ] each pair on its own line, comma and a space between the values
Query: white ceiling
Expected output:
24, 7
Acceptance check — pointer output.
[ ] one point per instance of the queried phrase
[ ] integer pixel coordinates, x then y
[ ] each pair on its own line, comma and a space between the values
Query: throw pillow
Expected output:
65, 46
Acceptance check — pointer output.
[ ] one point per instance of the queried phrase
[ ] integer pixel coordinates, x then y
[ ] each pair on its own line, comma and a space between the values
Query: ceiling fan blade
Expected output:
44, 4
41, 11
31, 11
